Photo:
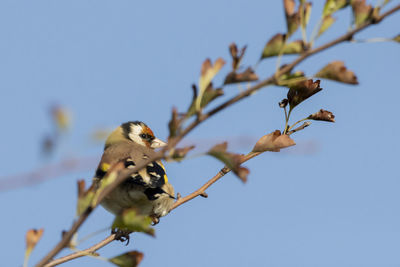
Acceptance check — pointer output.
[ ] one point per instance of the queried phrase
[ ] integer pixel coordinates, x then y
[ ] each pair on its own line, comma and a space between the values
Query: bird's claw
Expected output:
121, 234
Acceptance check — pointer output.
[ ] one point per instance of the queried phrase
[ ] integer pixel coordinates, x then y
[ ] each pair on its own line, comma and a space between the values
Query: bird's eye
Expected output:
143, 136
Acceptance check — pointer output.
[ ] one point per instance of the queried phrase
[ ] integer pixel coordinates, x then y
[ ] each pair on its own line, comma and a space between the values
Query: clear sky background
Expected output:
332, 200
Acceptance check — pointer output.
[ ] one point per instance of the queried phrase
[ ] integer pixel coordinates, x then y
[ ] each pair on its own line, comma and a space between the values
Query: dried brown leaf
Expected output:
236, 55
231, 160
322, 115
32, 238
361, 11
246, 76
338, 72
274, 141
301, 91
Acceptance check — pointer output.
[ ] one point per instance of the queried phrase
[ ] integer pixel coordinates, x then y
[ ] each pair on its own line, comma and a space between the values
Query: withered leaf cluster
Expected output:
237, 77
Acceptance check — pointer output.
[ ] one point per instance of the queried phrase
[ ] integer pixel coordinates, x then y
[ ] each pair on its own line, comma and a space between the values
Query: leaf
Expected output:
85, 197
322, 115
174, 124
306, 13
338, 72
128, 259
132, 221
277, 43
326, 23
361, 11
291, 79
209, 95
274, 141
292, 17
180, 153
236, 55
301, 91
208, 72
332, 6
397, 38
32, 237
246, 76
109, 178
61, 117
231, 160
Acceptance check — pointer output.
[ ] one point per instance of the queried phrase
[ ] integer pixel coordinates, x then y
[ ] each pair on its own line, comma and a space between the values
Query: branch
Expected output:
201, 118
210, 182
82, 253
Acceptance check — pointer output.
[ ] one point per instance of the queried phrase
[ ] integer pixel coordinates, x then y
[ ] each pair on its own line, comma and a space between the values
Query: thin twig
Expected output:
82, 253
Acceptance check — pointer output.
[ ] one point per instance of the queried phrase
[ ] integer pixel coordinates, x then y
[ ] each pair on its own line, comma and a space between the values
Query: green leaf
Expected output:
291, 79
277, 43
326, 23
331, 6
108, 179
131, 220
231, 160
301, 91
336, 71
128, 259
85, 197
397, 38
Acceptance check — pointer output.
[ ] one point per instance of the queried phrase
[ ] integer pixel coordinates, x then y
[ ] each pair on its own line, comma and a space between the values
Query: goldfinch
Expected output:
148, 191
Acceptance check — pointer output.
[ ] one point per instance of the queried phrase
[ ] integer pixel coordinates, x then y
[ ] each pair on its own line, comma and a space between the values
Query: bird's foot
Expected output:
121, 234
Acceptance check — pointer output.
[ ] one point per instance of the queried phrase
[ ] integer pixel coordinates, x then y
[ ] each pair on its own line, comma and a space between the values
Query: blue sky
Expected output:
332, 200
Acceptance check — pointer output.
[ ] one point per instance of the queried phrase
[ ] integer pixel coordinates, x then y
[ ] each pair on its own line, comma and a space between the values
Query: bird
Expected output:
148, 191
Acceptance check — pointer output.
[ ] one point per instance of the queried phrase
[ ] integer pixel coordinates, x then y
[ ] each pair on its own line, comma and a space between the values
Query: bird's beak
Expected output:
156, 143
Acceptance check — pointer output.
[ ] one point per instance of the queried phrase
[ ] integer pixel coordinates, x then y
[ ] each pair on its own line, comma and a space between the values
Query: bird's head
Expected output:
137, 132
